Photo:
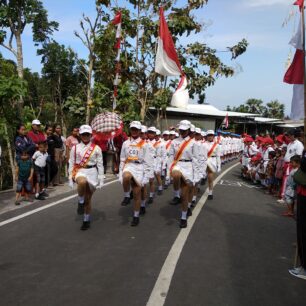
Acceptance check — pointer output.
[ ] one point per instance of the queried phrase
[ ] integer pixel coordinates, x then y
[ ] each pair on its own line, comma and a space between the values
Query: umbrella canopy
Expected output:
107, 125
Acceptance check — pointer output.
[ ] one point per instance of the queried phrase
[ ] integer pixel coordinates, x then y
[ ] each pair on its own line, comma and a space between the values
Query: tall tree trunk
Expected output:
9, 148
19, 71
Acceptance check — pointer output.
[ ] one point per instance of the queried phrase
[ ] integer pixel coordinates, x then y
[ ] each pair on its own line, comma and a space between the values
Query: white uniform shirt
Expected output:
294, 148
40, 159
136, 159
214, 159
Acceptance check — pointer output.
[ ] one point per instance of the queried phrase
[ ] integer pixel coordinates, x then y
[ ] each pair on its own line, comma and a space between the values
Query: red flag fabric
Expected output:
295, 73
300, 3
226, 121
117, 18
167, 62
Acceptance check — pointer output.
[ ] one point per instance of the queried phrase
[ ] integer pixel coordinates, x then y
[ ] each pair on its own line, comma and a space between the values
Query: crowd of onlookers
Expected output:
273, 163
42, 157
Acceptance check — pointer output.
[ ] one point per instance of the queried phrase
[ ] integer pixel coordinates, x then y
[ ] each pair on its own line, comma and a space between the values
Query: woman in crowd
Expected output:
58, 153
51, 168
71, 141
23, 142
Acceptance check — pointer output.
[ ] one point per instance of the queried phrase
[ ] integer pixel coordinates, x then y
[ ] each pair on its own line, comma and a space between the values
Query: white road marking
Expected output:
160, 291
34, 211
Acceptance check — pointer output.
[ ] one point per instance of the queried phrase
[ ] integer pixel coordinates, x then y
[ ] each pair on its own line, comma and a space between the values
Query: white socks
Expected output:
194, 198
176, 193
151, 194
160, 188
143, 203
136, 214
189, 205
127, 194
86, 218
81, 200
184, 215
210, 192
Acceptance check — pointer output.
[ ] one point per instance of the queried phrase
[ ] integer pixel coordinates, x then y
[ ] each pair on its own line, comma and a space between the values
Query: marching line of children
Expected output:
148, 159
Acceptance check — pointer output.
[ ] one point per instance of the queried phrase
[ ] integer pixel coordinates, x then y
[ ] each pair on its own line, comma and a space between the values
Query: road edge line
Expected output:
161, 288
29, 213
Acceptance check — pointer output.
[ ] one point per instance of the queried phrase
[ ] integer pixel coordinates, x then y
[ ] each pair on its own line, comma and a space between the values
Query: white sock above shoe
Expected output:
86, 217
210, 192
194, 198
81, 200
151, 194
136, 214
189, 205
160, 188
143, 203
184, 215
176, 193
127, 194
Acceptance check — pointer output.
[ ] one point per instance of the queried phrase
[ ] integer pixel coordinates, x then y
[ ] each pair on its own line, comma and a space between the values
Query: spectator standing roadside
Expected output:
71, 141
58, 152
51, 167
36, 135
300, 179
40, 161
23, 143
24, 175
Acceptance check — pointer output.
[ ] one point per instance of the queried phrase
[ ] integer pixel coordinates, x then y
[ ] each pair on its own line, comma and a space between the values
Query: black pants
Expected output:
104, 153
51, 171
301, 228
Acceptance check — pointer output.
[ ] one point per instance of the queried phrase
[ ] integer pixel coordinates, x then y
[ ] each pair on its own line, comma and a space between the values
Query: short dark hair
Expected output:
296, 159
272, 153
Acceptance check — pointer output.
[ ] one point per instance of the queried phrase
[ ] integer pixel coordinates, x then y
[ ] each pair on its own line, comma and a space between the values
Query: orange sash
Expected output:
84, 160
212, 149
156, 143
138, 145
179, 153
168, 144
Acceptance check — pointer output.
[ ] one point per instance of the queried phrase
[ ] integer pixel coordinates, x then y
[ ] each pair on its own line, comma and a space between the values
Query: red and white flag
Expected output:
295, 73
225, 121
167, 62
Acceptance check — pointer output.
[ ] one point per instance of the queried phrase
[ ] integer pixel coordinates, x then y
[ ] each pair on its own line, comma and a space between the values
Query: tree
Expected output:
275, 109
140, 31
15, 15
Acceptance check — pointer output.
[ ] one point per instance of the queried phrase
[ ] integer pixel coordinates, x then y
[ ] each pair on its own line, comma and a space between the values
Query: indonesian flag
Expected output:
225, 121
167, 62
295, 73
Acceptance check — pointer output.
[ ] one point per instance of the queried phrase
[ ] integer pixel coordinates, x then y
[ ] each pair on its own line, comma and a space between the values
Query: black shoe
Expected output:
189, 212
183, 223
126, 201
44, 194
85, 226
135, 221
210, 197
175, 201
40, 197
159, 192
193, 203
131, 195
150, 201
80, 209
142, 211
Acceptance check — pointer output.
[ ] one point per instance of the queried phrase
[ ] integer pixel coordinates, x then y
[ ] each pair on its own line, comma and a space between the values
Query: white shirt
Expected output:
40, 159
294, 148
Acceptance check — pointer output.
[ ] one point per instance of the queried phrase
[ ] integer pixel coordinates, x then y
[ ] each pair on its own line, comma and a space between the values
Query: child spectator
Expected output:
24, 174
40, 161
290, 191
279, 169
270, 172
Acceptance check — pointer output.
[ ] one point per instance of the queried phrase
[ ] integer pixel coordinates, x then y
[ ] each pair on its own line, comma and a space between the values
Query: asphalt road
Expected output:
238, 253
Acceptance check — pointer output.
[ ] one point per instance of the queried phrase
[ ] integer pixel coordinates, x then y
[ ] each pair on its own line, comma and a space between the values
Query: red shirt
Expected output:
301, 190
36, 137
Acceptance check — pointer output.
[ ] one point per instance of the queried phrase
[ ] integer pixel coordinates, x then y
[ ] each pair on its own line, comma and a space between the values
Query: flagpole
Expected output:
304, 66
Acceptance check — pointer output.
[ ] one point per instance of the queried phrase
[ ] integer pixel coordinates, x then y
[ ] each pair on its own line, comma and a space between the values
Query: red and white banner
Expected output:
167, 62
117, 22
295, 73
225, 121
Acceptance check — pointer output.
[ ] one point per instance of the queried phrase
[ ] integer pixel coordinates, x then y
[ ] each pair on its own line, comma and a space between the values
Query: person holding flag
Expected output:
213, 161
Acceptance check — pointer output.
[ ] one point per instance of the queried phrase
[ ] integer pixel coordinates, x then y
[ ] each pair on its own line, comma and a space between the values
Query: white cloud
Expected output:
264, 3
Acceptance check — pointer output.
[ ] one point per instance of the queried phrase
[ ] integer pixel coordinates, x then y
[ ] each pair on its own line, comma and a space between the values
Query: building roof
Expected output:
207, 110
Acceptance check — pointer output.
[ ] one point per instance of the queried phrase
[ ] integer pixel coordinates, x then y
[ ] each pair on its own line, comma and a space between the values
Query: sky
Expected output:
260, 69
